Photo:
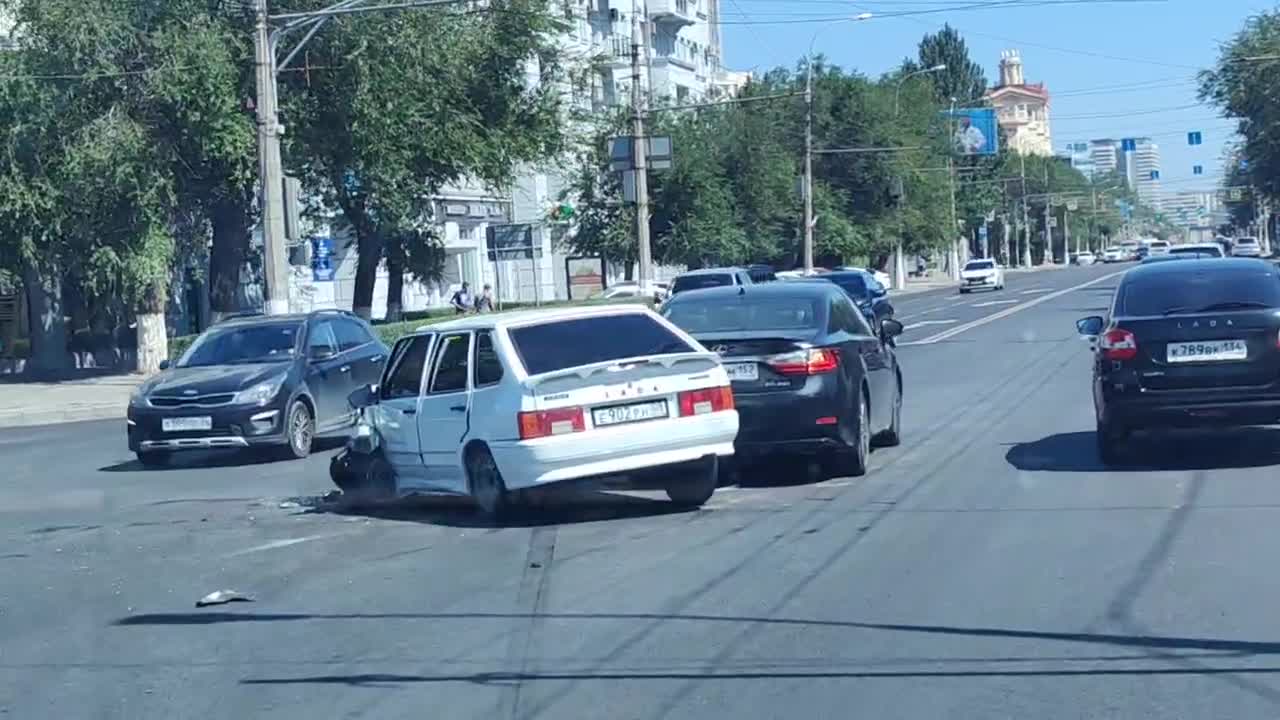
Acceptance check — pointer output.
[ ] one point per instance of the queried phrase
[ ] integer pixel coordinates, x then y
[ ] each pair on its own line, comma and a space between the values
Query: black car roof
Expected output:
254, 318
1199, 265
712, 271
807, 288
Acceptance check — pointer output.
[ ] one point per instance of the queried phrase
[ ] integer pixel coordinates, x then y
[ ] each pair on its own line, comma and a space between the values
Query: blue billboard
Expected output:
974, 131
322, 269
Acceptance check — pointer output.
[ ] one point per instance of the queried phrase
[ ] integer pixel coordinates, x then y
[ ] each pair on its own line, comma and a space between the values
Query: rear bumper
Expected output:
1193, 409
616, 451
787, 422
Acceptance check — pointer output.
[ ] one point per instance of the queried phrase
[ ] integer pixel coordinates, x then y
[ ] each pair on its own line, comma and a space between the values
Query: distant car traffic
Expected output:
1246, 247
256, 381
1085, 258
865, 291
1115, 255
981, 273
809, 374
1188, 343
659, 291
711, 277
880, 276
1204, 250
492, 405
761, 273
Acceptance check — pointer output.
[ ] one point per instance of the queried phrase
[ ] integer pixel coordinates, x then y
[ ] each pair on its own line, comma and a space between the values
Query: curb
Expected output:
103, 411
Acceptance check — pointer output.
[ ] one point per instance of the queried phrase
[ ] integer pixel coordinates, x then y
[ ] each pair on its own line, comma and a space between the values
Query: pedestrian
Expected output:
484, 301
461, 300
920, 266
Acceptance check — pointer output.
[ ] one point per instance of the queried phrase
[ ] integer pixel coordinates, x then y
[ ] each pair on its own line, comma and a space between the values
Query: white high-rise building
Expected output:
1105, 155
1141, 168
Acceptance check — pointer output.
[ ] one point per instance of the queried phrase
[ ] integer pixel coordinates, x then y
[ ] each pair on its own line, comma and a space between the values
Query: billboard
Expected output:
974, 131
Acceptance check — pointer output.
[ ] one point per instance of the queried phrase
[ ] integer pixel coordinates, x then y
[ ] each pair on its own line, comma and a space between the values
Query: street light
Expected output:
808, 141
898, 90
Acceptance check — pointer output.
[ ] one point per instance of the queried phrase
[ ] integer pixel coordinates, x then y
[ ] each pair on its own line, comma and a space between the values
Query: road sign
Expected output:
622, 155
1194, 138
511, 242
1128, 145
1072, 205
1053, 222
1236, 194
1197, 169
1155, 174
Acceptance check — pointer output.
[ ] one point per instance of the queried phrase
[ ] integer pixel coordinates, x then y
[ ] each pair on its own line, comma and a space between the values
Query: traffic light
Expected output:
562, 212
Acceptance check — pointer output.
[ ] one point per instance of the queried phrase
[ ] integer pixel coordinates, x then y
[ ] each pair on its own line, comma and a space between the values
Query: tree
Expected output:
394, 106
963, 79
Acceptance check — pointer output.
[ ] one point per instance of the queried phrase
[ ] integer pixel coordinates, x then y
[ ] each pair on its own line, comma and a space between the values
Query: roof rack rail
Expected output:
332, 311
242, 314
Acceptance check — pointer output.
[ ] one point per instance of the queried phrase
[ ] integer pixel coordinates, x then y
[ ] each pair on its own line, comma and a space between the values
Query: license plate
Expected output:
742, 372
185, 424
1208, 351
637, 412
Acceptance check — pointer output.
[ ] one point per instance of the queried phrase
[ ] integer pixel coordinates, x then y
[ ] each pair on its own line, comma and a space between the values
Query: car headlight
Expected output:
260, 394
138, 398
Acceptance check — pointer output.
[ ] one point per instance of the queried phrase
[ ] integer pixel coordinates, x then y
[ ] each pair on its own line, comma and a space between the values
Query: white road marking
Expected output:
1036, 291
276, 544
922, 323
952, 332
989, 303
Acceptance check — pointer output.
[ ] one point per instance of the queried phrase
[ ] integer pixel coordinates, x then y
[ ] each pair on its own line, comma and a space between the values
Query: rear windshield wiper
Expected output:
1230, 305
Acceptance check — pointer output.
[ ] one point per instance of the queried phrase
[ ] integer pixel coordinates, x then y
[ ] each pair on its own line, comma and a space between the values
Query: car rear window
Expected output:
982, 265
744, 314
550, 346
1186, 292
699, 282
1246, 241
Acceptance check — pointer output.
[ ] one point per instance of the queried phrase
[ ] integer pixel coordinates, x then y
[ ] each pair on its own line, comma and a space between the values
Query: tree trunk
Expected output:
230, 221
395, 286
45, 319
629, 271
153, 341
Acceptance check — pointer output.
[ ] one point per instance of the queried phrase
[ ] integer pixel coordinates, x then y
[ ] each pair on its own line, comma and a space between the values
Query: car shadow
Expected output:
768, 472
1173, 450
238, 457
559, 506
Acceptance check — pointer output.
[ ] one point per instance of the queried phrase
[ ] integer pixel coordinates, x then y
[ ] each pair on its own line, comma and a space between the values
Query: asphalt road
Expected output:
988, 567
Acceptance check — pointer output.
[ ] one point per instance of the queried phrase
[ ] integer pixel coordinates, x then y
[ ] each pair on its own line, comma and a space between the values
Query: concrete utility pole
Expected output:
1048, 213
954, 232
271, 172
640, 143
1026, 219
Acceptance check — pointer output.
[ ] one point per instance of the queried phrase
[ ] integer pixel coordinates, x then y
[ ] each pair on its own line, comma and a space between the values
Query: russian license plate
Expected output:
636, 412
742, 372
186, 424
1208, 351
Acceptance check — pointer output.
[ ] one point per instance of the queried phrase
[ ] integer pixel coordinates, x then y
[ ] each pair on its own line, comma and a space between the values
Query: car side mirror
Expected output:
1090, 326
362, 397
879, 292
892, 328
165, 365
319, 353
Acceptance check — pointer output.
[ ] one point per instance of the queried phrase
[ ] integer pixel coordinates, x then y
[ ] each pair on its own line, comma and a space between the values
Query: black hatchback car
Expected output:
1188, 343
254, 381
809, 374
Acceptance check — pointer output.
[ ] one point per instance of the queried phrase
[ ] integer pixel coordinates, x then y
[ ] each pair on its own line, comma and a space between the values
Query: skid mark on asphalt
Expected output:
531, 599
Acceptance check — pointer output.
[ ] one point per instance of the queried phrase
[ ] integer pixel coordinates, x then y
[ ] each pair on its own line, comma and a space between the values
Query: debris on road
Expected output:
289, 505
222, 597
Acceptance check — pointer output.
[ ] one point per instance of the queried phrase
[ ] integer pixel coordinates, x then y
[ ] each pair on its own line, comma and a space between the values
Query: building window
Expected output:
466, 233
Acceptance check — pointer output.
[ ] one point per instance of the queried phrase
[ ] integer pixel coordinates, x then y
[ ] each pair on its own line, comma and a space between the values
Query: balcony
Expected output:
677, 13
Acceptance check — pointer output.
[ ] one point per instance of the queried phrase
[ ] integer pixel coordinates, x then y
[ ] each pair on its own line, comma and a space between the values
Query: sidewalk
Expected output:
71, 400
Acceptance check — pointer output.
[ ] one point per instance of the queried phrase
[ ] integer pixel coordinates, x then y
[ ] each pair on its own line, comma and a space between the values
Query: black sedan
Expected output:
1188, 343
257, 381
810, 375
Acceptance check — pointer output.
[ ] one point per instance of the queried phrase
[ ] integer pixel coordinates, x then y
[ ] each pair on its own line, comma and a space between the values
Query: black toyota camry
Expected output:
1187, 343
257, 381
809, 373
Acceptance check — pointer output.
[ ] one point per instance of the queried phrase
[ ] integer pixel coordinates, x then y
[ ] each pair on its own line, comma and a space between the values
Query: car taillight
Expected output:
706, 400
1119, 344
544, 423
813, 361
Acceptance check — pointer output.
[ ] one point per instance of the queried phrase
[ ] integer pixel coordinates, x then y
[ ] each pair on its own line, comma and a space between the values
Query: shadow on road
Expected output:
1176, 450
560, 508
187, 459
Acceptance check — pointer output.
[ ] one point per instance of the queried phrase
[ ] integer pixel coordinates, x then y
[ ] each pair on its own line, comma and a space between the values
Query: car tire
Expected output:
1110, 439
363, 477
851, 461
299, 431
153, 458
485, 484
695, 482
892, 437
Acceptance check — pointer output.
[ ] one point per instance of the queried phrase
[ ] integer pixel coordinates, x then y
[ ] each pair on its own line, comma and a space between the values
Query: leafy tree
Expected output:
963, 79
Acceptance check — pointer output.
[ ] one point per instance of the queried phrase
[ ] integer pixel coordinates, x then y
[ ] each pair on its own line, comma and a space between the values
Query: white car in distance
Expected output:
494, 404
981, 273
1246, 247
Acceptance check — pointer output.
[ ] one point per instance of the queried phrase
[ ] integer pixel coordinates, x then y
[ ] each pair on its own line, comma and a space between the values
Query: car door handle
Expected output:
344, 368
459, 408
375, 358
410, 411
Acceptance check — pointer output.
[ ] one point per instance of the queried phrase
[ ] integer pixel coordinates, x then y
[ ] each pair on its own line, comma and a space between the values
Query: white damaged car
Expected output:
493, 405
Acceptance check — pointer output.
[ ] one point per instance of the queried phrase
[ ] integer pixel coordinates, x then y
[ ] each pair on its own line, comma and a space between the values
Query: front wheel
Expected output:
695, 483
300, 430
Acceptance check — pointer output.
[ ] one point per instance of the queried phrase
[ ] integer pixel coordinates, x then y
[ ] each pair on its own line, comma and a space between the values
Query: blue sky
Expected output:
1113, 69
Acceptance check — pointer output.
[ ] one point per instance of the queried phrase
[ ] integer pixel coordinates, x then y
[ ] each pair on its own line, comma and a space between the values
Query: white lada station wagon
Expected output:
491, 405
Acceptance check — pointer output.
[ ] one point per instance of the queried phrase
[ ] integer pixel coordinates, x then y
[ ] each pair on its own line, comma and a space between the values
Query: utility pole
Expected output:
271, 174
954, 231
639, 142
1026, 219
808, 165
1048, 213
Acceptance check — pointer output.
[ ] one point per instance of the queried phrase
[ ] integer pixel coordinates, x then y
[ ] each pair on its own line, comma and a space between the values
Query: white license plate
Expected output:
744, 372
1208, 351
638, 412
185, 424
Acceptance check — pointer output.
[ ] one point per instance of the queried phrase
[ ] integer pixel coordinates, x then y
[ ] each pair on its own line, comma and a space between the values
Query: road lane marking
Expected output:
922, 323
952, 332
1036, 291
276, 544
989, 303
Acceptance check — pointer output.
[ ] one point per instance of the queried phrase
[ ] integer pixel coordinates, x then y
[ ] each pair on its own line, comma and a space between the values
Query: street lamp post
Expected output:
898, 90
899, 262
808, 143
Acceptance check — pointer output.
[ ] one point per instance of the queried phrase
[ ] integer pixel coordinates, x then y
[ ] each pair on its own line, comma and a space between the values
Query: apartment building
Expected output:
1141, 169
1022, 109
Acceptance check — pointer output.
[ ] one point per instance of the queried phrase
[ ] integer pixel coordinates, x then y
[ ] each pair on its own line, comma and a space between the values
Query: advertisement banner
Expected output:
322, 269
974, 131
586, 276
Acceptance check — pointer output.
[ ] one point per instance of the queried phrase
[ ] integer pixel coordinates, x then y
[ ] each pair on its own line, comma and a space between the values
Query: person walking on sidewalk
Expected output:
484, 301
461, 300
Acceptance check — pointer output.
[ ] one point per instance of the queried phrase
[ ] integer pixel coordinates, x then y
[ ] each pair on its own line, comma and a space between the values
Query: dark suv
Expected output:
257, 380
